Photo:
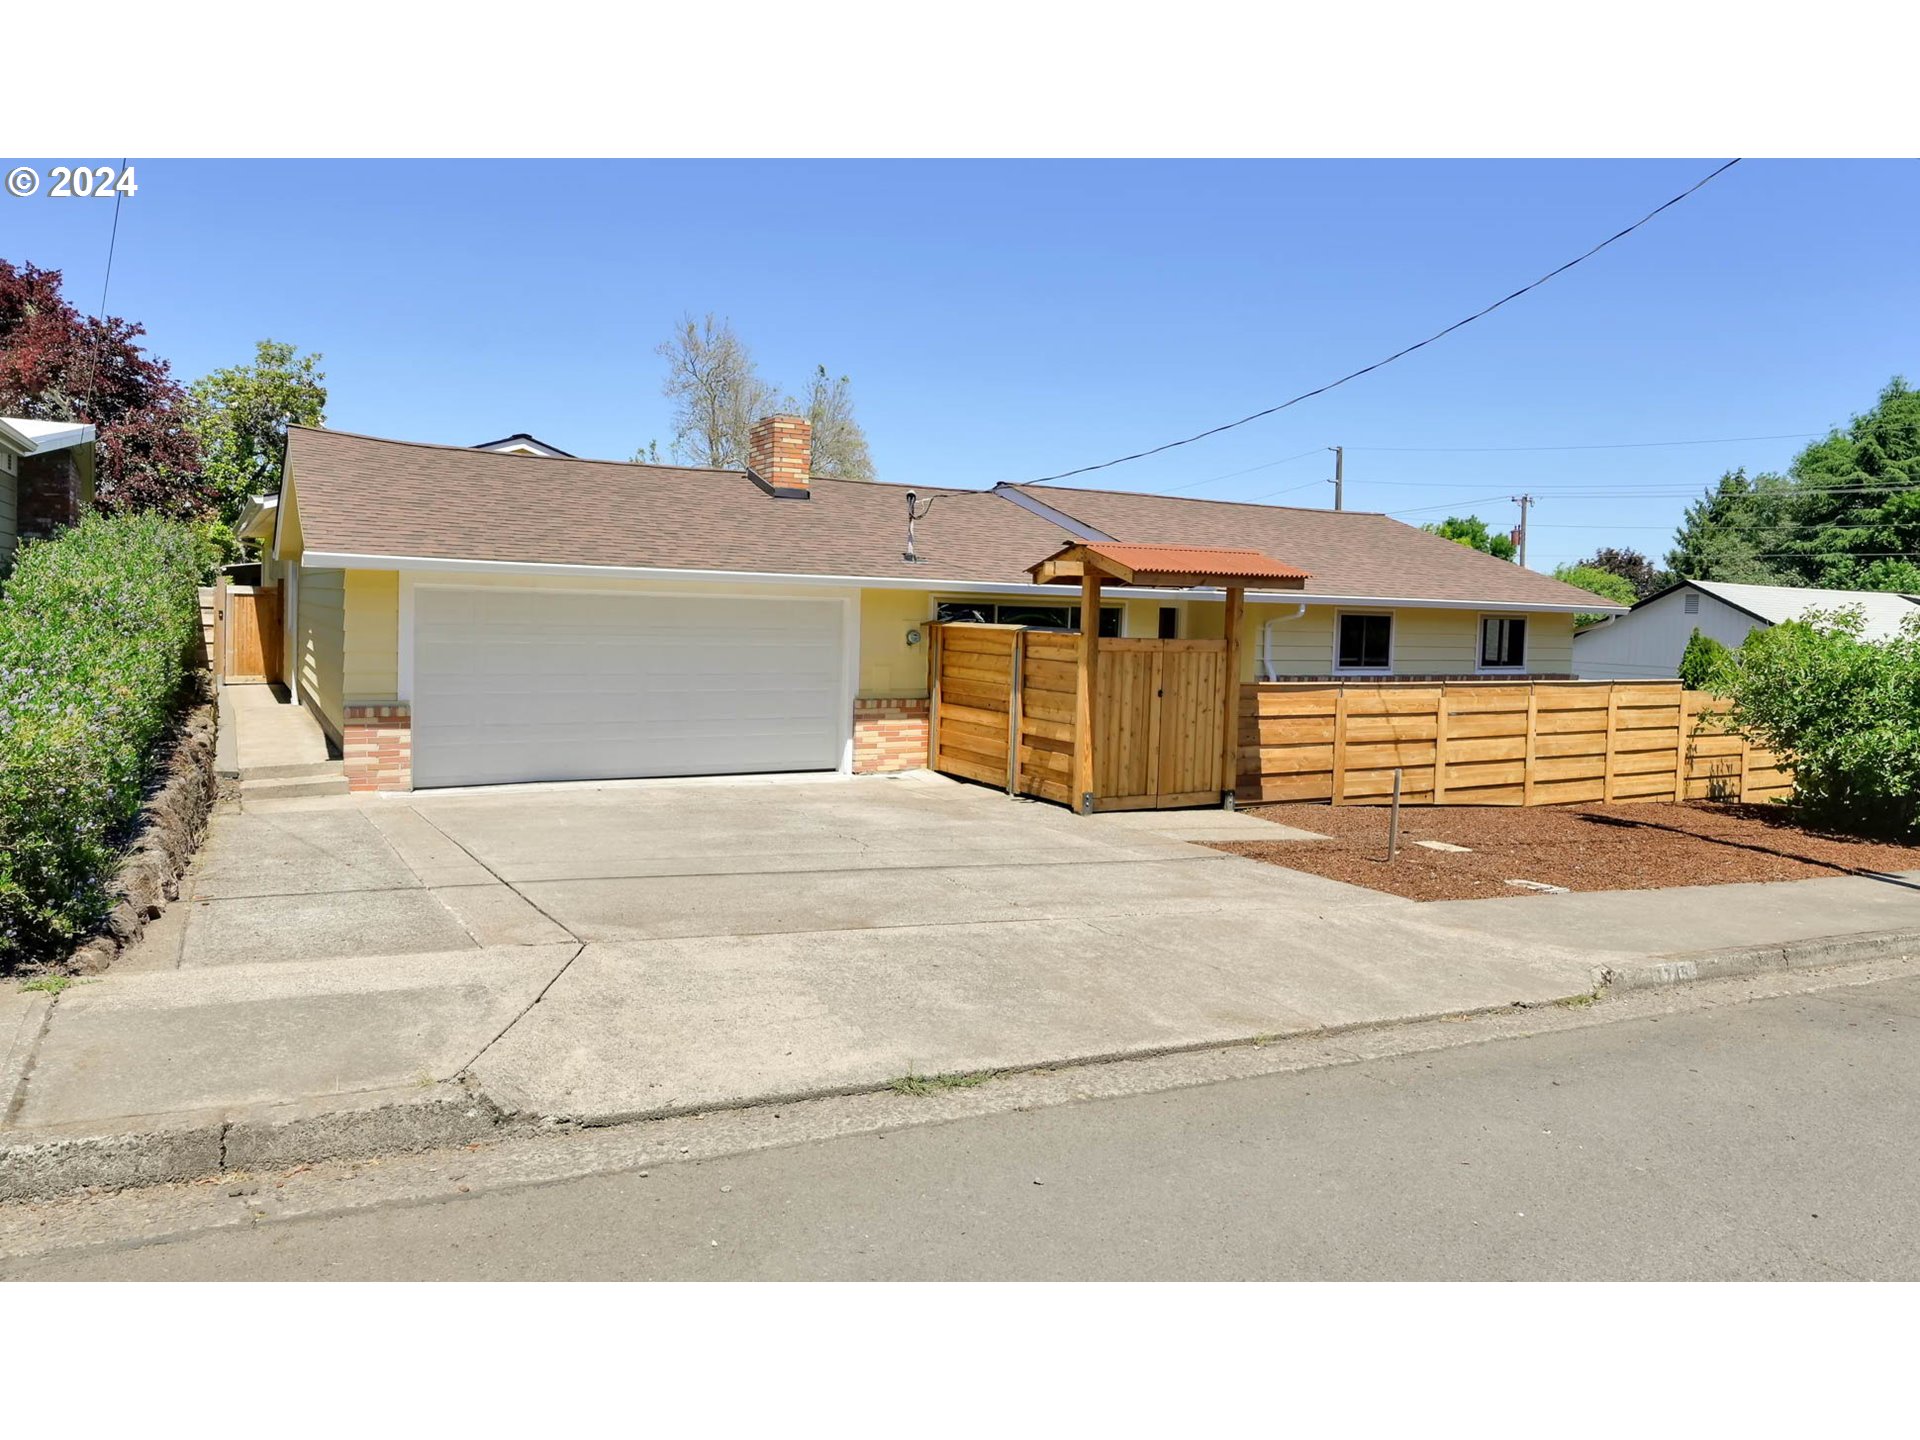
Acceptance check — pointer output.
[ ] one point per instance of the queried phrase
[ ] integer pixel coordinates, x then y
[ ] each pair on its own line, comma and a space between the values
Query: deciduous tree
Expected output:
1471, 531
240, 416
57, 364
716, 391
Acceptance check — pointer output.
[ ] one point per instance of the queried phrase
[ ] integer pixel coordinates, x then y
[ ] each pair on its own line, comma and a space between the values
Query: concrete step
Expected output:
296, 771
294, 787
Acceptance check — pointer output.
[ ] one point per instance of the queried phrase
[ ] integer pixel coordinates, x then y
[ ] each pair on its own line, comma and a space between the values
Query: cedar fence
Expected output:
1495, 743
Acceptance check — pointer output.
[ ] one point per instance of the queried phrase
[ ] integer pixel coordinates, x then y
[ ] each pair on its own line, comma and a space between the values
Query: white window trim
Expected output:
1393, 639
1480, 666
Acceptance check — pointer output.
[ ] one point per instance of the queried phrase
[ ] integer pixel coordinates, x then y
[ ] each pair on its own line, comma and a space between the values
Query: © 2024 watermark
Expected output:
77, 182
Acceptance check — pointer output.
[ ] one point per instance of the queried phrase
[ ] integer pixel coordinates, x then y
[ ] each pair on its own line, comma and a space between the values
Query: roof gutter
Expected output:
431, 564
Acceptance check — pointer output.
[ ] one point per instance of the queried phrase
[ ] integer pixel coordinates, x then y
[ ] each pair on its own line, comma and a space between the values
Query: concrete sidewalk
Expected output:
346, 973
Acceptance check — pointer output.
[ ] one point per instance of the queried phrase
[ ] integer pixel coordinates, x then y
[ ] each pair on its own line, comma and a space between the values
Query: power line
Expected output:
99, 319
1398, 354
1613, 445
1234, 474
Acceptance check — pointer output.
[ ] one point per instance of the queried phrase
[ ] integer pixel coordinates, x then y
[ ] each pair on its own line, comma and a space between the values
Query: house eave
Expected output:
431, 564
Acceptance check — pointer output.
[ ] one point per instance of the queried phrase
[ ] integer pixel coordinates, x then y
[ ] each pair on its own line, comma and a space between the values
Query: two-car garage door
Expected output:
514, 685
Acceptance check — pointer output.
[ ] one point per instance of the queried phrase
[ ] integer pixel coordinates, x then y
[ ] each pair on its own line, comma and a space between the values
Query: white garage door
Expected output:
513, 685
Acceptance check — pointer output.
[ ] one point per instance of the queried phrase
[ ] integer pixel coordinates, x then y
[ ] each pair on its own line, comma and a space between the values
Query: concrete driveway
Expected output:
605, 953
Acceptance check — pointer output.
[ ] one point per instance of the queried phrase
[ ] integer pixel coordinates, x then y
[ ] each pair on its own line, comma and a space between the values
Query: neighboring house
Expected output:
525, 444
457, 616
46, 479
1647, 641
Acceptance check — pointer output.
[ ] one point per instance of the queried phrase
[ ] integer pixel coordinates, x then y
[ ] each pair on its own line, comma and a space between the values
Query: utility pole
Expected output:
1523, 501
1339, 475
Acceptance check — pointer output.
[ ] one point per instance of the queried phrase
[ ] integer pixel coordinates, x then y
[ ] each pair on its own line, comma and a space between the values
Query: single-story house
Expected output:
1647, 641
46, 479
465, 616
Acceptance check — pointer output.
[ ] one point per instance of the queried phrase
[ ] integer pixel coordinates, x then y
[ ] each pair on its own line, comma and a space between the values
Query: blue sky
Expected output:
1008, 319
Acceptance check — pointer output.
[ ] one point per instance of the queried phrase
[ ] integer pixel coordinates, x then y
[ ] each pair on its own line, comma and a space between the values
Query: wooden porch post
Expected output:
1230, 724
1085, 680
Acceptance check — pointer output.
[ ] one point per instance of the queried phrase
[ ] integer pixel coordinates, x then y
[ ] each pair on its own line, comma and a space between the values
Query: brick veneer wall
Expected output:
377, 745
889, 735
52, 494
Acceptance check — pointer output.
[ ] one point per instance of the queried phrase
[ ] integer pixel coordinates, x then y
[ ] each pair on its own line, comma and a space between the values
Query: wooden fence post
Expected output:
1533, 720
1680, 747
220, 626
1016, 663
1085, 683
1230, 726
1339, 746
1440, 746
1613, 730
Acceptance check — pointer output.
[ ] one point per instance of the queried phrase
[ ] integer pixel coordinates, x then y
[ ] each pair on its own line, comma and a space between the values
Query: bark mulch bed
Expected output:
1582, 847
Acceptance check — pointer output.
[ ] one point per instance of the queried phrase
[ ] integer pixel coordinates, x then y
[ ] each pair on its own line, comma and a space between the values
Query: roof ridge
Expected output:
623, 464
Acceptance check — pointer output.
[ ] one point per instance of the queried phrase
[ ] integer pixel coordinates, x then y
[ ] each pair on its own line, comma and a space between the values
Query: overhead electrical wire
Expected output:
1398, 354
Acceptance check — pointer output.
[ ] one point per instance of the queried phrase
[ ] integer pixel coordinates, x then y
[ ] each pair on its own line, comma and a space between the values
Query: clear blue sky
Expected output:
1004, 320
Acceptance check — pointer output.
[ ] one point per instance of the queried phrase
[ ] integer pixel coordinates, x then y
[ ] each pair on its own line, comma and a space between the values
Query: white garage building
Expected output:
1646, 643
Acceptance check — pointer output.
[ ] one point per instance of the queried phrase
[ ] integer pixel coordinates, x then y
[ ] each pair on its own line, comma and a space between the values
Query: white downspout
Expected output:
1266, 639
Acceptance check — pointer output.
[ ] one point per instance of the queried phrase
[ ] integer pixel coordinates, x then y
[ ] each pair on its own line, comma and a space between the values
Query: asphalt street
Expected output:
1767, 1140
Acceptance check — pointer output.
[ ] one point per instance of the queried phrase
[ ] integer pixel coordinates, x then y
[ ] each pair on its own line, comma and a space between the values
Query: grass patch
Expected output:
1577, 1002
50, 984
929, 1084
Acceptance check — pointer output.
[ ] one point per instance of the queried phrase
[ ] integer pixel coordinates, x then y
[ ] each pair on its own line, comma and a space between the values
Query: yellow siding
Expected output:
372, 628
1425, 642
891, 669
319, 645
1550, 644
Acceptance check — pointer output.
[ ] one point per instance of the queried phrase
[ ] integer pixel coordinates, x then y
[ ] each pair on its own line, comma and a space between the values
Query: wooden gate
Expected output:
1004, 713
1158, 709
249, 642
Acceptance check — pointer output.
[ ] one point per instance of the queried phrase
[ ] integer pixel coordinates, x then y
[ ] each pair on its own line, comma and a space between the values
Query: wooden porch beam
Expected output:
1086, 676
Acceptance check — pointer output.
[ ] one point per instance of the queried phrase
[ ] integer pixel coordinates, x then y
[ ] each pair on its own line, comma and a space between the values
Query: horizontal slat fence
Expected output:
1494, 743
978, 710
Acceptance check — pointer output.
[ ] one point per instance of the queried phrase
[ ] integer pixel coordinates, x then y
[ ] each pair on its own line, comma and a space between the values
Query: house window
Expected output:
1503, 642
1039, 617
1364, 642
1169, 622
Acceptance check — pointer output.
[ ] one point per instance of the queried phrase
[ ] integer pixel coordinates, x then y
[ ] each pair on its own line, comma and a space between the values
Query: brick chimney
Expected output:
780, 454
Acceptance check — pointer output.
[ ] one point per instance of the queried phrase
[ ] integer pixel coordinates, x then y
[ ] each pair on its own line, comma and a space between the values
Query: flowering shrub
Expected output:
1845, 709
95, 630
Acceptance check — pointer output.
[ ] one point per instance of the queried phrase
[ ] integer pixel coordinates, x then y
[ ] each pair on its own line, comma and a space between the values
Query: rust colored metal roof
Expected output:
1214, 561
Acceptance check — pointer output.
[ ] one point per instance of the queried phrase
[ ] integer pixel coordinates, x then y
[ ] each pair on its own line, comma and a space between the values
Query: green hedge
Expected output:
1844, 709
95, 629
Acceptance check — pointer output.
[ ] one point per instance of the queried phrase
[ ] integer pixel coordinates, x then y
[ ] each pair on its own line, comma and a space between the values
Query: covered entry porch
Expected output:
1094, 723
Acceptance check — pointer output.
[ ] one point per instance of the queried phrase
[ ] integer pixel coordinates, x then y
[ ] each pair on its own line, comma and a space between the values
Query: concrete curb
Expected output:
1687, 965
41, 1165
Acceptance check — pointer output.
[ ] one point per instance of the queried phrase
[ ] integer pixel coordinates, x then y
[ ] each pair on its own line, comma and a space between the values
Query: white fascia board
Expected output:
427, 564
39, 437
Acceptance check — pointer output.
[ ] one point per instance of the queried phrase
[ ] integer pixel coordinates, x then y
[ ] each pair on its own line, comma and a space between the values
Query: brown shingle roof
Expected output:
362, 496
1345, 552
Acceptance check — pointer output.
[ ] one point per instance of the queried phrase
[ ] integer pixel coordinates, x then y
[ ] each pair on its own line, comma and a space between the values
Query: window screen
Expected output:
1365, 642
1503, 642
